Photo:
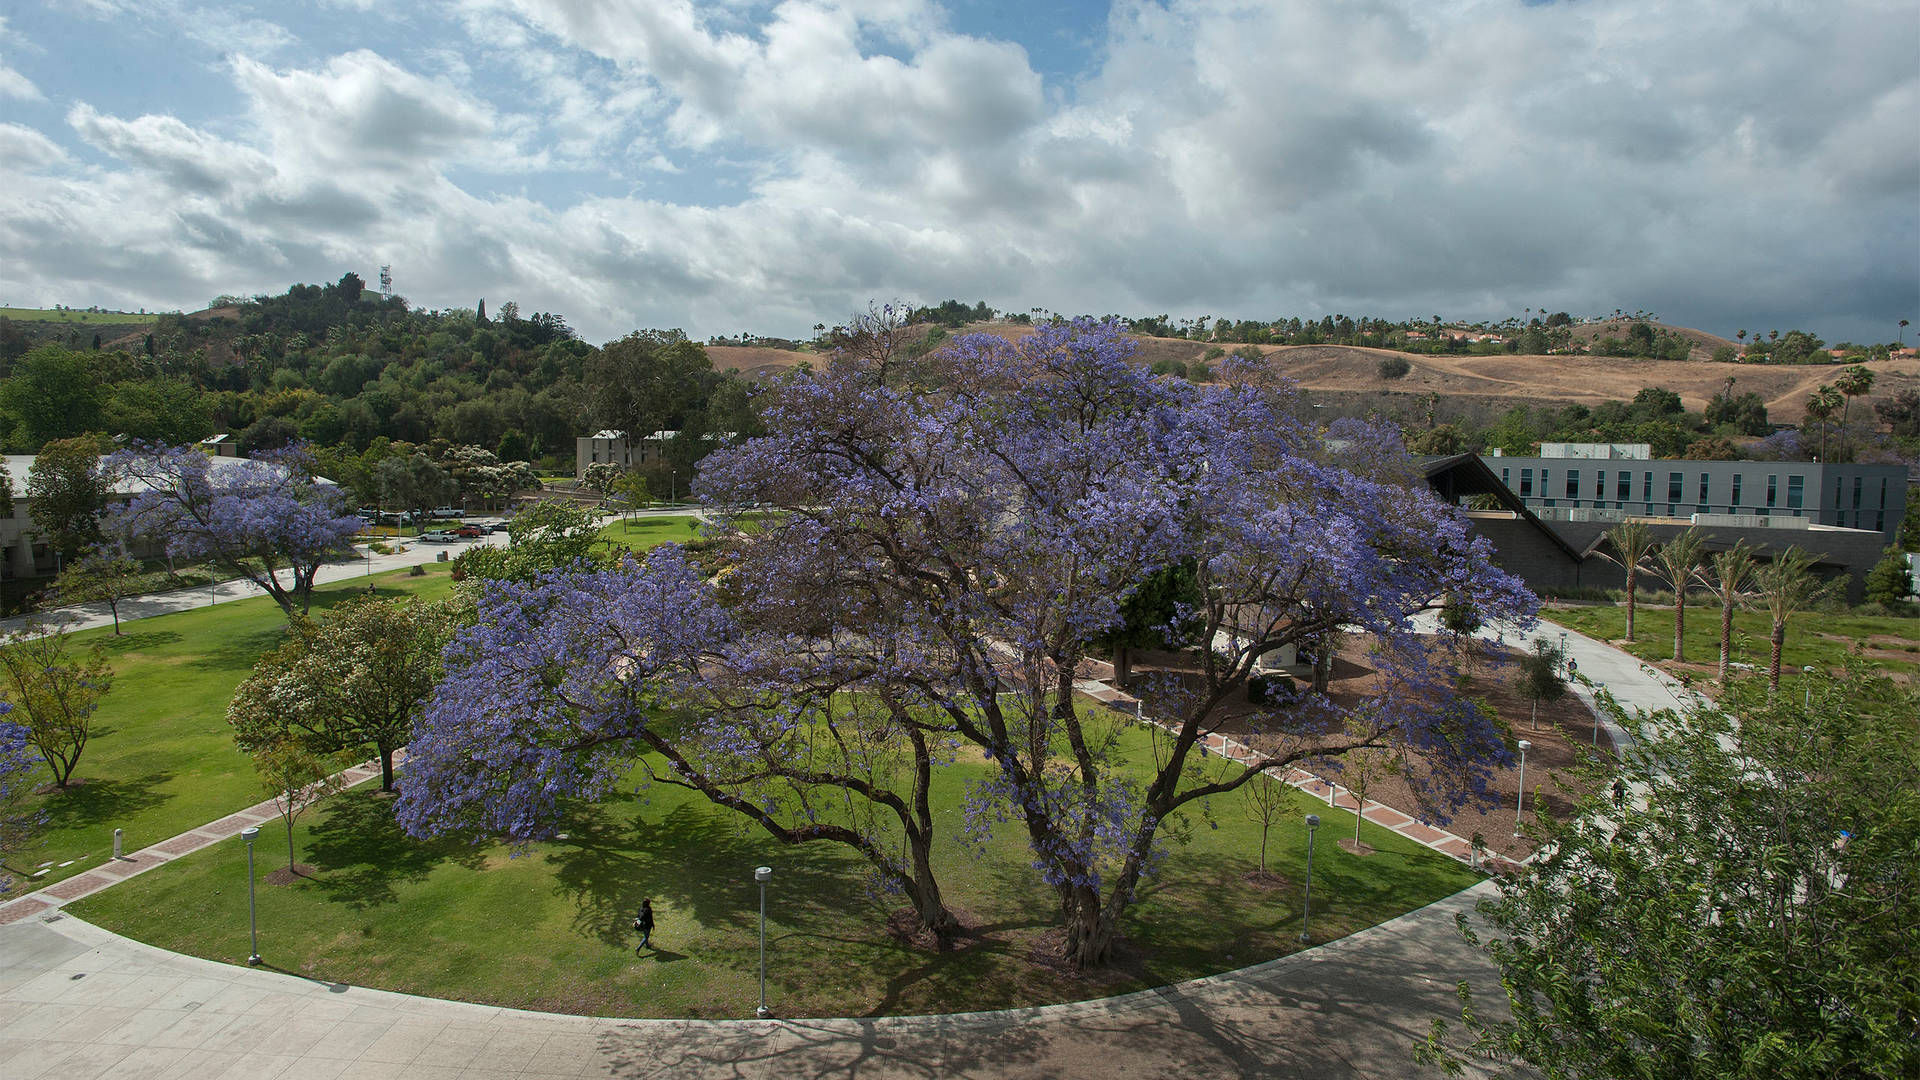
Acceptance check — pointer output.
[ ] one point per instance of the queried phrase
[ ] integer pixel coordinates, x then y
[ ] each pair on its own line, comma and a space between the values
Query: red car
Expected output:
470, 531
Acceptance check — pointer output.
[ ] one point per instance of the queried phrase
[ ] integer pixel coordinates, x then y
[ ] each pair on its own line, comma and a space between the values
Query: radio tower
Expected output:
386, 281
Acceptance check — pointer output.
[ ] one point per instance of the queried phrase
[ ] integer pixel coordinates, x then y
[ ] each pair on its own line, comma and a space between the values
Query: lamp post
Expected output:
1563, 647
1306, 906
673, 485
1806, 687
761, 874
1520, 802
253, 916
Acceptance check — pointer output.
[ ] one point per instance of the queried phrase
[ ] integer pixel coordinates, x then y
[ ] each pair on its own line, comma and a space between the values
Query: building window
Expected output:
1796, 490
1736, 490
1625, 489
1506, 478
1646, 489
1879, 521
1573, 483
1526, 483
1674, 484
1836, 494
1773, 483
1703, 488
1856, 493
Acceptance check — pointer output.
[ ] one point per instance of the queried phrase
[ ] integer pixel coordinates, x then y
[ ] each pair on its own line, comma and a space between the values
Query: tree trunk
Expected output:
1726, 639
1679, 624
1630, 587
386, 767
1779, 642
1090, 934
1122, 666
1263, 846
289, 818
924, 890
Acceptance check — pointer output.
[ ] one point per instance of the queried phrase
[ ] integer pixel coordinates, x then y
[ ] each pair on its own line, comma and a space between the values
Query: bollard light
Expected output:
1520, 801
762, 874
118, 838
1806, 686
1306, 906
253, 915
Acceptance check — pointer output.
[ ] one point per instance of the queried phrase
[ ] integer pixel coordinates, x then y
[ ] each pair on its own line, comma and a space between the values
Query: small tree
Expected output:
68, 490
632, 488
1890, 582
1633, 545
101, 575
1364, 765
1728, 572
351, 681
1539, 676
1678, 559
19, 818
295, 778
1265, 800
1783, 587
55, 693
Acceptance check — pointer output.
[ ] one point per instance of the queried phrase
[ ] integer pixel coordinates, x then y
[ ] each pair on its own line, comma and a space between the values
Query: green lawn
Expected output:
1818, 638
109, 318
549, 929
162, 759
640, 533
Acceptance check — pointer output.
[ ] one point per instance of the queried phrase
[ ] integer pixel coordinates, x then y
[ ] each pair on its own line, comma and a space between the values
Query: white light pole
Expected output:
1520, 802
1564, 658
761, 874
1306, 906
253, 917
1806, 686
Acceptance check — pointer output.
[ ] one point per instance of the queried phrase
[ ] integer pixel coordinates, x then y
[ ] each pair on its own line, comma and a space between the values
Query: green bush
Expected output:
1393, 367
1275, 688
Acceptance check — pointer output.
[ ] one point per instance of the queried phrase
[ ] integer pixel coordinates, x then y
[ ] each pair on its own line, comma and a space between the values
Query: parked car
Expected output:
498, 526
392, 517
368, 513
439, 536
471, 530
444, 512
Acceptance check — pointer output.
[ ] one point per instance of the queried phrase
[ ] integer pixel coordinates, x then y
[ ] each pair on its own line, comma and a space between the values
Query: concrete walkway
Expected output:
77, 1003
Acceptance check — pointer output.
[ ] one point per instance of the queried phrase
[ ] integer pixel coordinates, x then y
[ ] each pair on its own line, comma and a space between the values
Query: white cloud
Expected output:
1727, 165
22, 149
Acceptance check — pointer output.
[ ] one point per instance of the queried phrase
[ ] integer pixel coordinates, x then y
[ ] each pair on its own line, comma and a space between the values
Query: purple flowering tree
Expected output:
267, 518
971, 537
19, 817
565, 681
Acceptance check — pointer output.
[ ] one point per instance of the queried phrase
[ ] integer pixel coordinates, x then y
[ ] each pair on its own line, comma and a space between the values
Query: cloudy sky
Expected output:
746, 165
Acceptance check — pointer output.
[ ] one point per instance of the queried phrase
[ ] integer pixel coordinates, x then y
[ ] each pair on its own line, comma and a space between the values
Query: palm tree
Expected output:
1677, 560
1821, 405
1632, 544
1727, 573
1852, 382
1903, 333
1784, 586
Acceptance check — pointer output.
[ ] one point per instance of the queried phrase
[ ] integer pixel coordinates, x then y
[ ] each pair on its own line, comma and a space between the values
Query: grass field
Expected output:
162, 759
549, 929
1821, 639
638, 534
101, 318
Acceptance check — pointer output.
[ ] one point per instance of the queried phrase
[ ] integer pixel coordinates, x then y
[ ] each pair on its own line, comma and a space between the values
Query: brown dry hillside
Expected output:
1588, 380
1702, 342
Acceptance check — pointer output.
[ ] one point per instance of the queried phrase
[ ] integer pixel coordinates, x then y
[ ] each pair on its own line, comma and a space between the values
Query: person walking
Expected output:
643, 922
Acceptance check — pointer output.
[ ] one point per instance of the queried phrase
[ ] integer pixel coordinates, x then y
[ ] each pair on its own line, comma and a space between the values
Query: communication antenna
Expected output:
386, 281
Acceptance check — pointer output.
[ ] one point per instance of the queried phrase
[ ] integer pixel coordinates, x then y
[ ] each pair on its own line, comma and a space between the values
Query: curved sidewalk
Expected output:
78, 1002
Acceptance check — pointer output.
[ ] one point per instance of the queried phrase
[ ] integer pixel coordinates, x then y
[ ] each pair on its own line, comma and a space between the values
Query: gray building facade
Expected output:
1751, 494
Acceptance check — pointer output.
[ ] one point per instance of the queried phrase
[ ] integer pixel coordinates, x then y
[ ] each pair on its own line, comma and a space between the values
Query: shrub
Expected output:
1273, 688
416, 570
1393, 367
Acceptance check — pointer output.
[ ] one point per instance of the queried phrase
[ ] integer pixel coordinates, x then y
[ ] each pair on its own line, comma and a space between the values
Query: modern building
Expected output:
1610, 482
1559, 548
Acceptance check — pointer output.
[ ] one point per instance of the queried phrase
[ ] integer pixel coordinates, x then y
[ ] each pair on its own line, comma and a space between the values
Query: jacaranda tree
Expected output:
258, 517
955, 536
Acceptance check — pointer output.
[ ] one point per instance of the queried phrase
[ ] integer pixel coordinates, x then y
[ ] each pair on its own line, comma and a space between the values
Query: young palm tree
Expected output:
1727, 573
1782, 587
1821, 405
1853, 382
1677, 560
1632, 545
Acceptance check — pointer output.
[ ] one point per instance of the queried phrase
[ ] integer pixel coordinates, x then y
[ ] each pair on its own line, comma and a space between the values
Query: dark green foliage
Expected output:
1746, 414
1890, 583
1176, 368
952, 314
1459, 618
51, 393
1276, 688
1748, 908
1393, 367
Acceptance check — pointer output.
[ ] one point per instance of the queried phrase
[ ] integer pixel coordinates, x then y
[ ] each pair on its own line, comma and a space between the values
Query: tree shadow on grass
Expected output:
237, 651
363, 854
694, 862
102, 802
141, 641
